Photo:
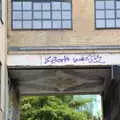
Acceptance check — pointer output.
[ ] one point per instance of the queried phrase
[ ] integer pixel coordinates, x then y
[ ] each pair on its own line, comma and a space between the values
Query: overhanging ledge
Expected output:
31, 48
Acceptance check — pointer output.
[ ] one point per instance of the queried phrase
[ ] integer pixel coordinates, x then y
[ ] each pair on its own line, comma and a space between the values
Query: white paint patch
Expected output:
63, 59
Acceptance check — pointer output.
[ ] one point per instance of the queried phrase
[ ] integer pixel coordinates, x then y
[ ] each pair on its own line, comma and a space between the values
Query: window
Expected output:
107, 13
41, 14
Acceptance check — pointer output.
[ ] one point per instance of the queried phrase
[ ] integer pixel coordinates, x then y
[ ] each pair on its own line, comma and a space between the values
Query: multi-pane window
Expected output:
107, 13
41, 14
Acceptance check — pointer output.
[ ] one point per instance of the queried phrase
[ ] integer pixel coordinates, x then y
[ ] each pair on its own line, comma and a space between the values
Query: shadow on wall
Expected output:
13, 108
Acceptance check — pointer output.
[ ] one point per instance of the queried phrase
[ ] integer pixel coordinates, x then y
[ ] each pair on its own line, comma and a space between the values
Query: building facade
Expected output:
59, 47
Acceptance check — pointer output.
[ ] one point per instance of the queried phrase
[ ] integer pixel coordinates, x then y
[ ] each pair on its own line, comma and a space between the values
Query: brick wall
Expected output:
83, 32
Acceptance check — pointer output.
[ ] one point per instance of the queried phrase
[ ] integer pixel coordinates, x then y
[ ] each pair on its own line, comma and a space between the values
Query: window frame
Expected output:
41, 29
115, 18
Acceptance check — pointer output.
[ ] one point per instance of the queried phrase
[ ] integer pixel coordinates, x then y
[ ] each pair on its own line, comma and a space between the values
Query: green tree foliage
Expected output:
53, 108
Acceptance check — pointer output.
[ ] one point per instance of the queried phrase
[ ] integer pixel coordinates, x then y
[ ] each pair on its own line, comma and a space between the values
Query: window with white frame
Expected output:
41, 14
107, 13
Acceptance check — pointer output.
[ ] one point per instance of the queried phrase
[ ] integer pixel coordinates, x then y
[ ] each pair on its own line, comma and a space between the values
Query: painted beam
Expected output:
63, 60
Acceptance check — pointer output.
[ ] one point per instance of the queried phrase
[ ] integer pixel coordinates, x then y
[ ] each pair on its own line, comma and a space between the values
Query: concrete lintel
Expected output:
58, 60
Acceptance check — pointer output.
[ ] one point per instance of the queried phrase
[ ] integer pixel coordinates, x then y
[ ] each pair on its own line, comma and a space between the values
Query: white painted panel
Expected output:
63, 59
23, 60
